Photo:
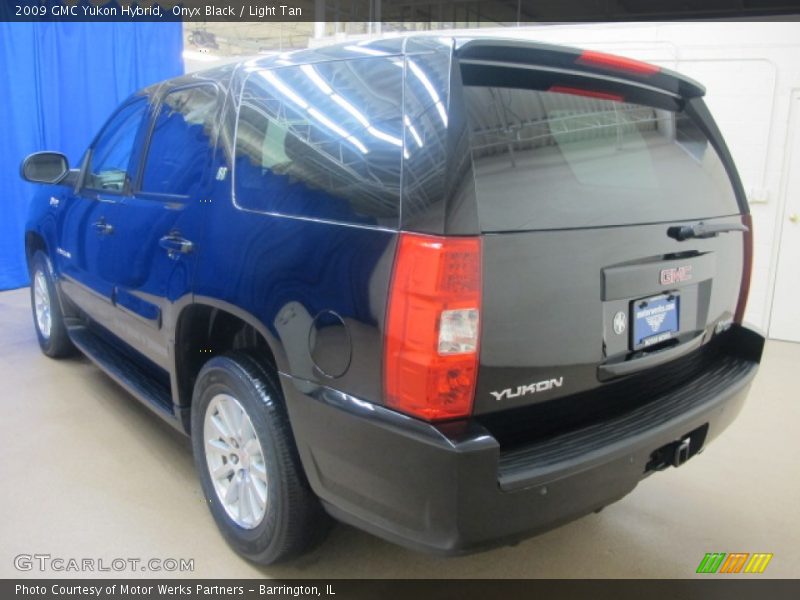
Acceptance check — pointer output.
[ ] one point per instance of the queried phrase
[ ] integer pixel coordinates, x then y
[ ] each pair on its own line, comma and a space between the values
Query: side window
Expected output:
322, 141
110, 164
436, 169
182, 141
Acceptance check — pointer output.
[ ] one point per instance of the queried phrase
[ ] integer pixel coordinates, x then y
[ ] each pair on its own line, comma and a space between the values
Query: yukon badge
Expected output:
523, 390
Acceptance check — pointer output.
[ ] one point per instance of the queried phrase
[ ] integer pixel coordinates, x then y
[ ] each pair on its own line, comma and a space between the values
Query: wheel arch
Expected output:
34, 241
209, 327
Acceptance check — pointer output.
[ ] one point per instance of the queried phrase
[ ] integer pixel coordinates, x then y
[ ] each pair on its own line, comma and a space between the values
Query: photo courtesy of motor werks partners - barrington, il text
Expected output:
212, 591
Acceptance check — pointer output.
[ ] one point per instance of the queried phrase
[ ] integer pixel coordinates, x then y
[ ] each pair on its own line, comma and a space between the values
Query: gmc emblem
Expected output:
676, 275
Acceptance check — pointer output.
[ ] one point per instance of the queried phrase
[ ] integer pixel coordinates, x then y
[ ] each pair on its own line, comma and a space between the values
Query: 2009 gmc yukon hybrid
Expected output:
450, 291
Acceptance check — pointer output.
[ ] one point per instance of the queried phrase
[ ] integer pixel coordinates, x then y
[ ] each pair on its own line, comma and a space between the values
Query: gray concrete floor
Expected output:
88, 472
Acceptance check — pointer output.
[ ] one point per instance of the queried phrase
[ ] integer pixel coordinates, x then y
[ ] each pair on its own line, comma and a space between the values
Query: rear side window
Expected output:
552, 160
182, 141
322, 141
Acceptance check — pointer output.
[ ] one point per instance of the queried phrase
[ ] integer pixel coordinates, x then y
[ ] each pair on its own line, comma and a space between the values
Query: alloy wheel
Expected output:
41, 304
235, 461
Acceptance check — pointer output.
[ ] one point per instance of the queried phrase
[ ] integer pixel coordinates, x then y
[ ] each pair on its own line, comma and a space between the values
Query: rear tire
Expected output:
258, 493
46, 308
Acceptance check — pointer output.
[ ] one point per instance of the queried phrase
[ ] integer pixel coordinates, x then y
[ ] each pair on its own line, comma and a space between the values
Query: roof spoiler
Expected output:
584, 62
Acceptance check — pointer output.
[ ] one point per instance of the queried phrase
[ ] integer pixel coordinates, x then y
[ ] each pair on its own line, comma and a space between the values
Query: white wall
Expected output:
749, 71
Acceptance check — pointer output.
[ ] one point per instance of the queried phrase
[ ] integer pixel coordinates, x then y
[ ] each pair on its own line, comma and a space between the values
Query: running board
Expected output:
125, 372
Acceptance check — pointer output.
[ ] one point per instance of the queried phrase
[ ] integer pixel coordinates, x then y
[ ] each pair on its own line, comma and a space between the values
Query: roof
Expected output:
489, 50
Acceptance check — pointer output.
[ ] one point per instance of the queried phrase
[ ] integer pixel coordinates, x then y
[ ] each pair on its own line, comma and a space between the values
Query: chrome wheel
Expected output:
235, 461
41, 304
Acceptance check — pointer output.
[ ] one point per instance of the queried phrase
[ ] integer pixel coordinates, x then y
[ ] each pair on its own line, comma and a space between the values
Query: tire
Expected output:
293, 519
46, 308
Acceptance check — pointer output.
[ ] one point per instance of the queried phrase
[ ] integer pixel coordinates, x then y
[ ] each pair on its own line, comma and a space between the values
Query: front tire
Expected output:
47, 317
248, 465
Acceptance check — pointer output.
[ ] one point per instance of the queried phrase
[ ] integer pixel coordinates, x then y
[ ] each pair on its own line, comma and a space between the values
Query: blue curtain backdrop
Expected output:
59, 82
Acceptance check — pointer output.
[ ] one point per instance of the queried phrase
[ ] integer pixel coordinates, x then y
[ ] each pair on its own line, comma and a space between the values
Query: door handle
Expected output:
102, 227
174, 244
794, 218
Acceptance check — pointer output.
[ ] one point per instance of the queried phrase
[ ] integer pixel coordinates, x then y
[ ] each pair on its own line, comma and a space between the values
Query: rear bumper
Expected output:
450, 489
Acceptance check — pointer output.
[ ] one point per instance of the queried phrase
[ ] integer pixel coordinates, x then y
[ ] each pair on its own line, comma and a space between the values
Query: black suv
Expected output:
450, 291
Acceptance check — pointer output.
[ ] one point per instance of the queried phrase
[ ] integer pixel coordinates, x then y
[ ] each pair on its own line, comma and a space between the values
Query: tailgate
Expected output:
551, 302
583, 182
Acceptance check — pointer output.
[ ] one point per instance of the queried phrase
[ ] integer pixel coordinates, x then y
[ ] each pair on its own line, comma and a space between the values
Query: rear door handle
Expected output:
102, 227
174, 244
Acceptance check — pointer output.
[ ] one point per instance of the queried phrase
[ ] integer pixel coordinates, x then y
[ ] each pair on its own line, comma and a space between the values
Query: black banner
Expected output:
347, 589
461, 13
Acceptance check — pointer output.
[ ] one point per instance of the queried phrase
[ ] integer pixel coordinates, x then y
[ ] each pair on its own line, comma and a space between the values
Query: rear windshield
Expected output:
553, 160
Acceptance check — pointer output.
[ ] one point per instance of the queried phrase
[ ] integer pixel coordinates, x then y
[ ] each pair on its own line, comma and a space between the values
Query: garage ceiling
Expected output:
244, 39
238, 39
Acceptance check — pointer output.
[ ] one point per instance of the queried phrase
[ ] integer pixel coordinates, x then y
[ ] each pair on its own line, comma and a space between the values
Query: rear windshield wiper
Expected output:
703, 230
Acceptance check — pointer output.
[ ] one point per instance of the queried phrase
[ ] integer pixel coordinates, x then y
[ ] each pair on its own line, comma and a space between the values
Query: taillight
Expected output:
747, 268
433, 326
612, 62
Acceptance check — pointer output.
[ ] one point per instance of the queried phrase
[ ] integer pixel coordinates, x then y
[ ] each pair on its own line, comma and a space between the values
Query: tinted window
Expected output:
322, 141
111, 161
181, 142
545, 160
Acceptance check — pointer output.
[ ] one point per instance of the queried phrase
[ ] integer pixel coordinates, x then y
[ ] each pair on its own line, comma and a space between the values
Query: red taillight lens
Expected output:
747, 268
432, 327
613, 62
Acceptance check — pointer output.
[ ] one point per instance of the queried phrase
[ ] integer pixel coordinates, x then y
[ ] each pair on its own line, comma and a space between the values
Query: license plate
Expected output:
654, 320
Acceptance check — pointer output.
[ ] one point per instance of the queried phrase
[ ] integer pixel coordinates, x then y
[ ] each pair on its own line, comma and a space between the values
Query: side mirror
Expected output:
44, 167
